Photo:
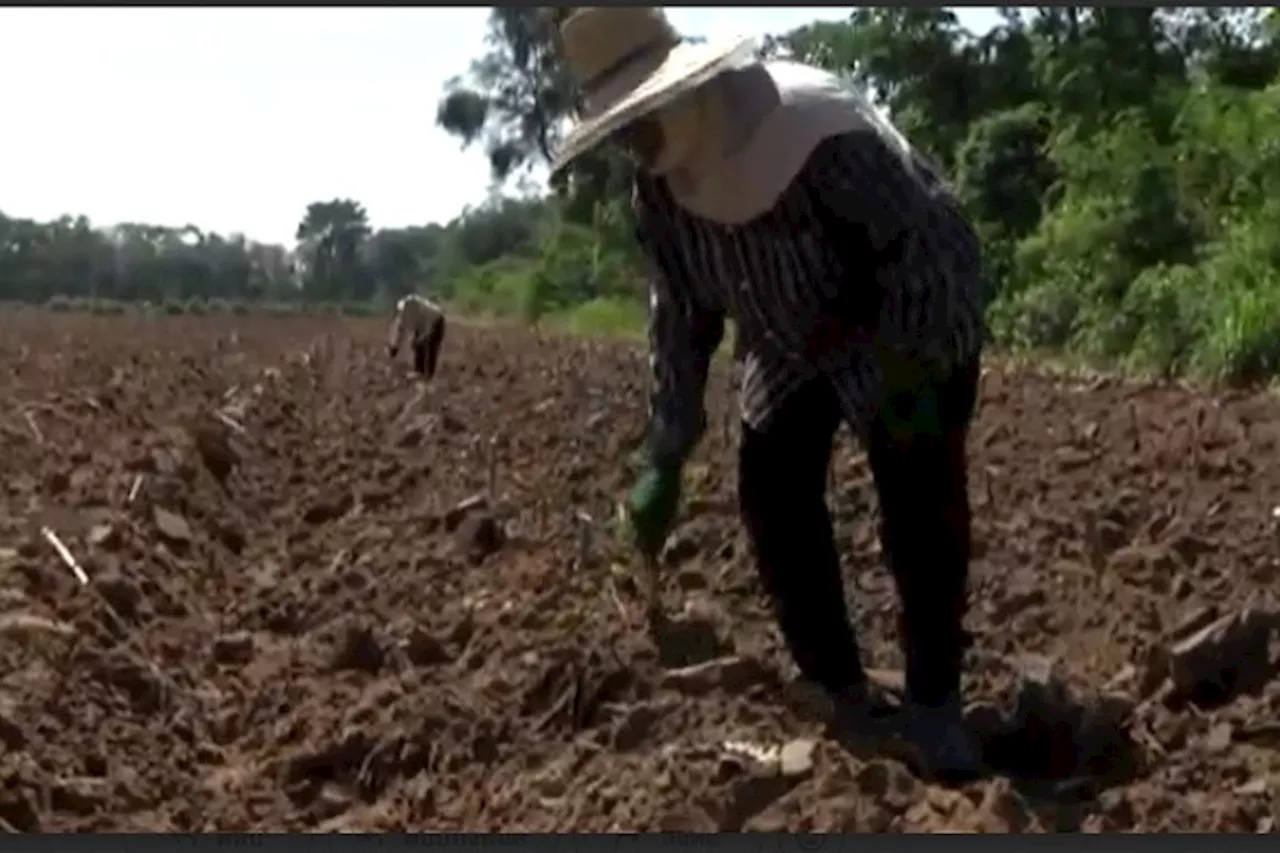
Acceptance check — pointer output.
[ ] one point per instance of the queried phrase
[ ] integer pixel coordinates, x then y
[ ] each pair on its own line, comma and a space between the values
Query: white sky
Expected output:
234, 119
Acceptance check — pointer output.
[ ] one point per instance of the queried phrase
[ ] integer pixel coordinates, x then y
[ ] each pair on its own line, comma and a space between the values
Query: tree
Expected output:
331, 238
515, 99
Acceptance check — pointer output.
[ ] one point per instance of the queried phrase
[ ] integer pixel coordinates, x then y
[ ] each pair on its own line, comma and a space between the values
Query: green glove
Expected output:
652, 507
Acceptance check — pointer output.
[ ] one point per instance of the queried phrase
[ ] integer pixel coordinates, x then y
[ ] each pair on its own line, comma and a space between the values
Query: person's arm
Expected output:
683, 337
396, 330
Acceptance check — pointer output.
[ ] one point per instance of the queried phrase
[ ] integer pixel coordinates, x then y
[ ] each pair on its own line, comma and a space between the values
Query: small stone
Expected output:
359, 649
1042, 695
103, 536
329, 508
478, 536
82, 795
1003, 810
679, 549
331, 801
808, 700
214, 447
692, 579
18, 808
120, 593
1114, 805
234, 649
1172, 731
12, 735
1219, 738
414, 434
1256, 787
874, 778
796, 757
689, 639
424, 649
728, 768
751, 794
231, 535
888, 783
451, 423
1015, 602
636, 725
96, 765
57, 482
173, 528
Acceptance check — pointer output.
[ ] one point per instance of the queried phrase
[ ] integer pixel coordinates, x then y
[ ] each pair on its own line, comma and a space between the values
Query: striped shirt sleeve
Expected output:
683, 337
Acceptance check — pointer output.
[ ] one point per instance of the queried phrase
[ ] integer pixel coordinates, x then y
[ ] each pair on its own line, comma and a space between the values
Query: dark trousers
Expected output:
921, 482
426, 349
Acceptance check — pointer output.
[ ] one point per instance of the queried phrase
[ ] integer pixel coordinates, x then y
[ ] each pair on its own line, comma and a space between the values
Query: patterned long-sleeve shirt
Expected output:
415, 315
865, 273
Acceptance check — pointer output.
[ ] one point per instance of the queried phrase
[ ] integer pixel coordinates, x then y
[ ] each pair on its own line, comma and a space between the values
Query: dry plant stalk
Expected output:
492, 476
82, 578
584, 537
1093, 541
35, 429
612, 589
231, 423
133, 490
67, 559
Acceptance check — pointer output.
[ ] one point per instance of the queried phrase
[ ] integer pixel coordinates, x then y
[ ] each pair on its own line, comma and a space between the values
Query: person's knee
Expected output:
776, 498
757, 481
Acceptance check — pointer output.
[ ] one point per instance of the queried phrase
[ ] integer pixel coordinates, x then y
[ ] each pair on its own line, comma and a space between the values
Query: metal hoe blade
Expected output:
654, 612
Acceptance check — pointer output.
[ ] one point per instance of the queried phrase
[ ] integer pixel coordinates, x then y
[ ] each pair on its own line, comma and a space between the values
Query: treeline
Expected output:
1121, 163
337, 260
484, 261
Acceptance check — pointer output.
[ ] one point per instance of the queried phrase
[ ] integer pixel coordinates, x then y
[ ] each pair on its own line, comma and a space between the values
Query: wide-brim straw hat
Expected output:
629, 62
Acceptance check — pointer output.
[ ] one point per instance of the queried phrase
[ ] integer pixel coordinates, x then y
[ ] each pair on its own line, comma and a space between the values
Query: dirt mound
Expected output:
322, 598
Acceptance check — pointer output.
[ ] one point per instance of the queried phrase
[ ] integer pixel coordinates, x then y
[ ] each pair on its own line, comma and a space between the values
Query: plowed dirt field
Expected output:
321, 598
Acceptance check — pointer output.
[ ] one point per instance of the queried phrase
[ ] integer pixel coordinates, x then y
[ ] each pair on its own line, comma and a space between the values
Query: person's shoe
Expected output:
941, 744
863, 719
861, 703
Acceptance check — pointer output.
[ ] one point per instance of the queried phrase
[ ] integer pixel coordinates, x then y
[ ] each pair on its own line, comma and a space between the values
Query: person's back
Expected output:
422, 322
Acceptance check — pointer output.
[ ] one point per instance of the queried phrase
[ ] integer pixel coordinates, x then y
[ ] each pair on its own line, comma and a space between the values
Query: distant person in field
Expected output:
421, 321
773, 193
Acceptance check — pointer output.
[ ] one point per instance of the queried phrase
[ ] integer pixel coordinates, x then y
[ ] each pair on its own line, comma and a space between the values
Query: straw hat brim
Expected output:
688, 66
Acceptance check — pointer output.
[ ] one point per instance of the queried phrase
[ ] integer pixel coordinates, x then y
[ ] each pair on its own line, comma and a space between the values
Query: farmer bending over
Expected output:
422, 321
772, 193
